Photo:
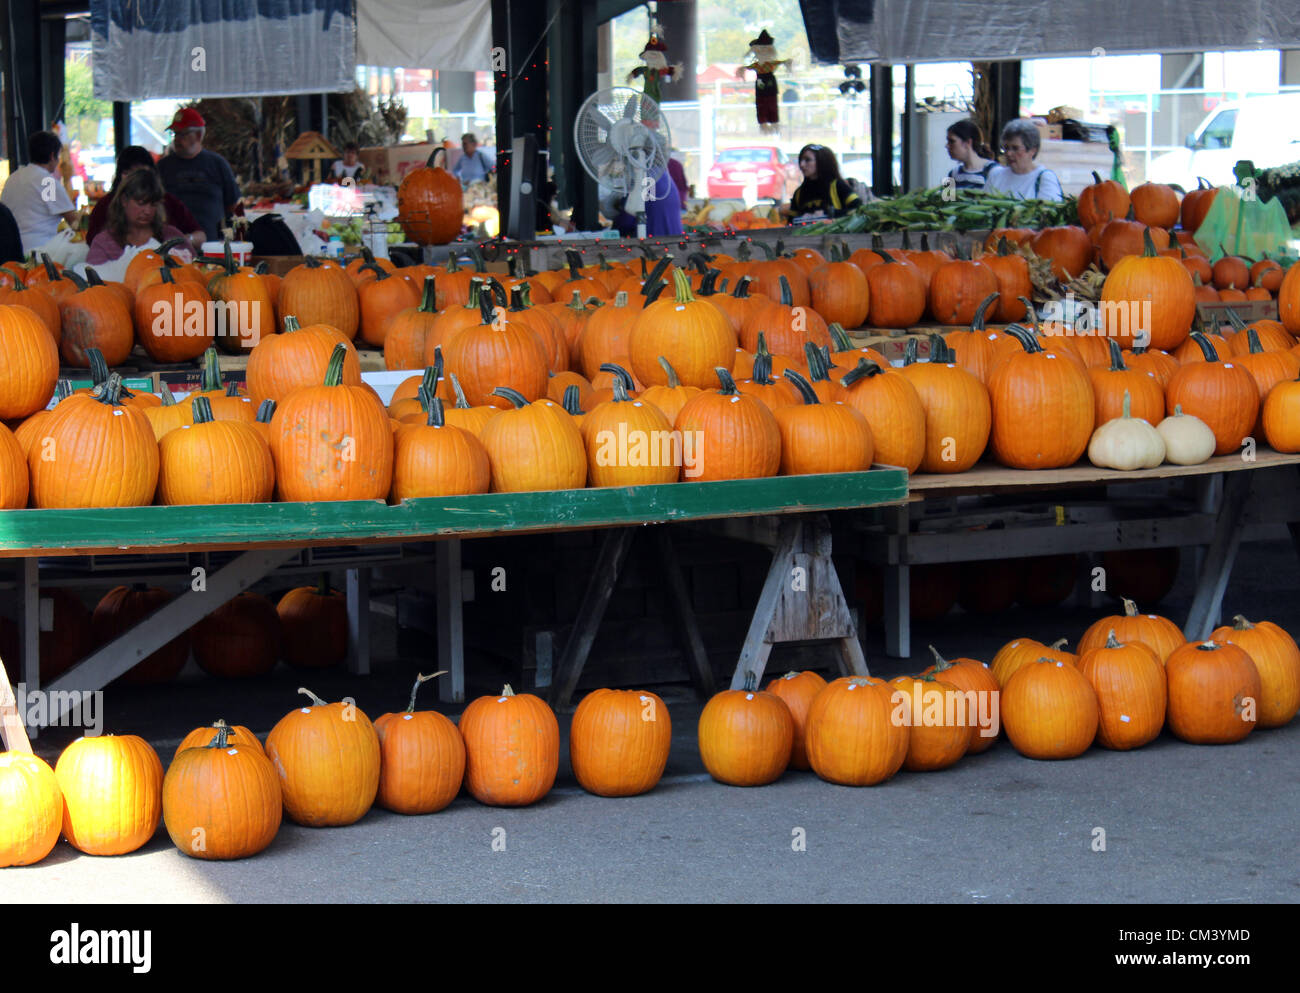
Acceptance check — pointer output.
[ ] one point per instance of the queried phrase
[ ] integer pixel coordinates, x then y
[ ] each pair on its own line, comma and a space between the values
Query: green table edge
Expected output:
124, 530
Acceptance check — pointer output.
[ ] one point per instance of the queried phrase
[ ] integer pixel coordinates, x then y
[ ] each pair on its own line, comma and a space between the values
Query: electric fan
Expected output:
622, 141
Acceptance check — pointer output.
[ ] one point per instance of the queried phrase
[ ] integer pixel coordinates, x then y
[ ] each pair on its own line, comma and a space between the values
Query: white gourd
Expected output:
1126, 443
1188, 440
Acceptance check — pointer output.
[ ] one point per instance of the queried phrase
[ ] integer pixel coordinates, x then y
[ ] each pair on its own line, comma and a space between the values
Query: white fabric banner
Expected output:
145, 49
425, 34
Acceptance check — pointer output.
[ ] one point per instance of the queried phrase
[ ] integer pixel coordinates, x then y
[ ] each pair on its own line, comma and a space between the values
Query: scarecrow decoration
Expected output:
656, 68
764, 66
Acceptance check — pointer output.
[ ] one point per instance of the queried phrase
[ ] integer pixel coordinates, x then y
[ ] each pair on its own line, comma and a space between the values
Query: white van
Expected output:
1265, 130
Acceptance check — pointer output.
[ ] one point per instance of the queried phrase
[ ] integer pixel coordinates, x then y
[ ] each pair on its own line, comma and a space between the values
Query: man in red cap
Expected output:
201, 179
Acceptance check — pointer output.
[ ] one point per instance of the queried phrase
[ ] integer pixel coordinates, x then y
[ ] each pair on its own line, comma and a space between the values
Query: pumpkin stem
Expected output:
762, 373
517, 399
232, 389
110, 392
620, 298
1148, 246
458, 392
315, 700
818, 370
1208, 646
1130, 608
202, 410
334, 371
433, 405
751, 678
910, 351
1026, 338
576, 303
940, 663
429, 298
291, 324
211, 372
670, 372
98, 367
166, 395
885, 256
264, 411
787, 297
1116, 356
978, 322
865, 368
804, 387
840, 337
1239, 623
63, 390
69, 275
621, 375
323, 586
708, 285
1058, 644
570, 401
507, 691
1111, 641
682, 287
741, 288
410, 707
1030, 312
1206, 346
222, 738
1252, 339
728, 385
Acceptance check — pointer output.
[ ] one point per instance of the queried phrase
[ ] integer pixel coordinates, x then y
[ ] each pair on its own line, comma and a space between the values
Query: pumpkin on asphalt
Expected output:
619, 742
31, 808
980, 696
852, 738
221, 800
798, 690
1214, 692
1050, 710
1131, 693
1159, 634
1014, 655
746, 736
327, 757
112, 793
512, 748
1276, 658
422, 758
236, 734
940, 733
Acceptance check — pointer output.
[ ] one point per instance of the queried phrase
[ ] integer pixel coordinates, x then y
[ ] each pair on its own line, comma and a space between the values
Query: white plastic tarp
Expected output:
898, 32
145, 49
425, 34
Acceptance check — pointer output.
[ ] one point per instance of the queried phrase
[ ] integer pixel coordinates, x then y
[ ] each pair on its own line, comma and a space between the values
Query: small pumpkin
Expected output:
940, 733
1126, 442
746, 736
1214, 692
619, 742
980, 696
1188, 440
1050, 710
1277, 660
852, 738
1131, 694
112, 793
421, 758
512, 748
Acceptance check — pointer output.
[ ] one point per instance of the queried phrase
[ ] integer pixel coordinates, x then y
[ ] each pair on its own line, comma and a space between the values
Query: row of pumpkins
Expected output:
327, 764
307, 627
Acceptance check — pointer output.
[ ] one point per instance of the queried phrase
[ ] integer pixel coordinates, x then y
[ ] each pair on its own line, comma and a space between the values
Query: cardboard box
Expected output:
1215, 315
388, 165
278, 265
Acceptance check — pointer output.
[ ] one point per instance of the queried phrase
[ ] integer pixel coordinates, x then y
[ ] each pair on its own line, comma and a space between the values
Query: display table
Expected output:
267, 536
992, 512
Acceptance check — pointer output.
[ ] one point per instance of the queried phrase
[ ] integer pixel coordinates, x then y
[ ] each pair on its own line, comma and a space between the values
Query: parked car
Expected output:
1265, 130
759, 166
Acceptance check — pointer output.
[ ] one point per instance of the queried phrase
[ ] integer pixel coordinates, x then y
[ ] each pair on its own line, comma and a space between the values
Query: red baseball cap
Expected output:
185, 119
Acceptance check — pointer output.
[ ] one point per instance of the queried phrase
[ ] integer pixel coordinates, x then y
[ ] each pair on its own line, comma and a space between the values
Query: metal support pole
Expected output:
359, 621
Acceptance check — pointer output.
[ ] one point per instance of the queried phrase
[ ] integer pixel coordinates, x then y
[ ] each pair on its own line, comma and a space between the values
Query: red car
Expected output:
760, 165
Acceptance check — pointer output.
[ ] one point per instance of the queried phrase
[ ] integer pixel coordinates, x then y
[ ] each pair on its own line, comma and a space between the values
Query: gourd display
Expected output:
1126, 442
512, 748
112, 793
746, 736
327, 757
221, 800
422, 758
619, 742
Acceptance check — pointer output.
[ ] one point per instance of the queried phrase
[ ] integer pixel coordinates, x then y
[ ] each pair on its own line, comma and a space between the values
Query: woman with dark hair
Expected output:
135, 157
136, 216
966, 146
822, 190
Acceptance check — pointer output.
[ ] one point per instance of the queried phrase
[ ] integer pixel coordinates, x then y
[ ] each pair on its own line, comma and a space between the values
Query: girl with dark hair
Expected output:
822, 190
136, 216
966, 146
135, 157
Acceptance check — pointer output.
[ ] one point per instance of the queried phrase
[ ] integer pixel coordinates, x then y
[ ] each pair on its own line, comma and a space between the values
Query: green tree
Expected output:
81, 111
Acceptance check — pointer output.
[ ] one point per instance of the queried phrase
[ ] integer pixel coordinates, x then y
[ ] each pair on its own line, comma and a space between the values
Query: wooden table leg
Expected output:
450, 597
1219, 556
28, 663
600, 587
897, 583
685, 627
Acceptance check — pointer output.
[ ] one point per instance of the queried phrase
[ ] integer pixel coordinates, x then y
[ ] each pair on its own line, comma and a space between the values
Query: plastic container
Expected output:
216, 251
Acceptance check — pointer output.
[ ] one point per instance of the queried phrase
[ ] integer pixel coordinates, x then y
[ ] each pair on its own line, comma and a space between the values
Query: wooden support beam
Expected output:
682, 616
1219, 557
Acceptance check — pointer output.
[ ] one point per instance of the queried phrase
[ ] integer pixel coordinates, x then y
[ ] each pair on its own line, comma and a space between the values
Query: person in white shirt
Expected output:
35, 193
475, 164
1020, 177
349, 167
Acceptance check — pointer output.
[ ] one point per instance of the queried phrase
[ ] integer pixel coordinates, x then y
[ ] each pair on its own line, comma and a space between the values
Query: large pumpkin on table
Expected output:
1214, 693
512, 748
422, 759
691, 334
297, 357
737, 435
1151, 287
745, 736
319, 292
1042, 407
619, 741
29, 363
852, 738
958, 414
221, 800
430, 205
31, 809
1222, 394
327, 756
112, 793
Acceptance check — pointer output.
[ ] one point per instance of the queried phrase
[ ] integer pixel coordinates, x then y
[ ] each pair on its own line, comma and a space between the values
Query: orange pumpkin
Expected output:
512, 748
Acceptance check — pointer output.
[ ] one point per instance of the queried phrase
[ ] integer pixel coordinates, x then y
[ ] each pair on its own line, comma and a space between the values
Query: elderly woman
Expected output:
1020, 176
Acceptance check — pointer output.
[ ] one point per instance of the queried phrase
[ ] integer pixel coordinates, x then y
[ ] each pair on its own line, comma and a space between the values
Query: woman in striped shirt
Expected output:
966, 146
